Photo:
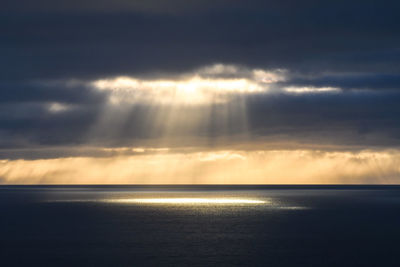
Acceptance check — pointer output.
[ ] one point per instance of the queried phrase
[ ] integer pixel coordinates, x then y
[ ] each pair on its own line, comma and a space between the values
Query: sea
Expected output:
200, 225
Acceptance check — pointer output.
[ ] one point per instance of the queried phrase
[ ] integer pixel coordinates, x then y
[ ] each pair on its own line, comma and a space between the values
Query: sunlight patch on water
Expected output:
190, 201
267, 203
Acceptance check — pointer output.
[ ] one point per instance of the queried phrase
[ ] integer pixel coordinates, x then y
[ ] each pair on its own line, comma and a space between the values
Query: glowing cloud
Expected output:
57, 107
213, 167
213, 84
196, 90
305, 90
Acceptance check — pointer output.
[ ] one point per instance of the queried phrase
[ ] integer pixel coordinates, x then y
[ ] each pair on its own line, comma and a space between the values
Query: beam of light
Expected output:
191, 201
192, 104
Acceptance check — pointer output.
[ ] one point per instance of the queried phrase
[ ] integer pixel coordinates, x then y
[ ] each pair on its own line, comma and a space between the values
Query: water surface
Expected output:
200, 225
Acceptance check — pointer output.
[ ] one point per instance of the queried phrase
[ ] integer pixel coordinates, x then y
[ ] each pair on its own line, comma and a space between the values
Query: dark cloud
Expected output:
310, 36
369, 118
34, 124
50, 91
33, 113
149, 6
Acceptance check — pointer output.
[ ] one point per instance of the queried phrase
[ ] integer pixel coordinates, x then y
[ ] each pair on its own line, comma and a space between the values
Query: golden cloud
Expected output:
211, 167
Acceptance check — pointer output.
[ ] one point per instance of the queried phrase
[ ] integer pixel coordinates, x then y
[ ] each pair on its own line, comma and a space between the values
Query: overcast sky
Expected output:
96, 79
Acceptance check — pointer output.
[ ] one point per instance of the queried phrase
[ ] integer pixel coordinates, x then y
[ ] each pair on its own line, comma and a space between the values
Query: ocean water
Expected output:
200, 226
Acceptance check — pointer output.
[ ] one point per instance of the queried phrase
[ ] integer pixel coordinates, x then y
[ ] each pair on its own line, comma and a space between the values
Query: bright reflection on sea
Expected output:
190, 201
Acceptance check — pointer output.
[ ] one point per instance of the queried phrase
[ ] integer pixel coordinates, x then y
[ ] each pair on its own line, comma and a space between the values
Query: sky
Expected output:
199, 92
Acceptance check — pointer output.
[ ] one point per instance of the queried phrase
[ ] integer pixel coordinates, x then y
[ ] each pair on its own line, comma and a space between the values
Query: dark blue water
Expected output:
200, 226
